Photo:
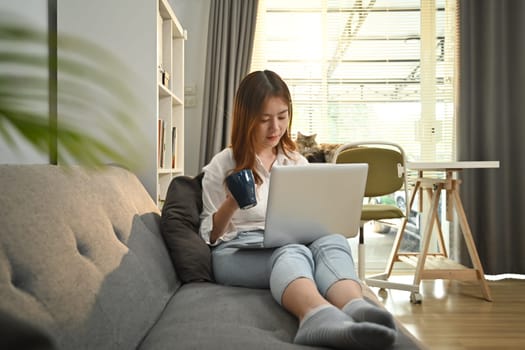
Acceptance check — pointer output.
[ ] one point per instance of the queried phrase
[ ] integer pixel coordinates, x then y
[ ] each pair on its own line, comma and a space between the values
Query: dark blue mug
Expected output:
242, 187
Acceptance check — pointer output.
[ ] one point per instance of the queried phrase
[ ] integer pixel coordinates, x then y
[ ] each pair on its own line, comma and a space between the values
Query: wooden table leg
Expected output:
428, 233
471, 246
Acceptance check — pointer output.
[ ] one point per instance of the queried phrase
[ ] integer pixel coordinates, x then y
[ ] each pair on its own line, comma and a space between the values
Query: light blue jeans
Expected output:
325, 261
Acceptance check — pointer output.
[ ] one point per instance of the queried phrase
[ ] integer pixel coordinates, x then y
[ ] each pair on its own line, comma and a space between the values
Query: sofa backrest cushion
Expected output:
81, 255
179, 225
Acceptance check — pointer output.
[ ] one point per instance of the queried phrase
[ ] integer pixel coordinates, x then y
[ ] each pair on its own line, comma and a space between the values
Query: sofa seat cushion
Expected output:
210, 316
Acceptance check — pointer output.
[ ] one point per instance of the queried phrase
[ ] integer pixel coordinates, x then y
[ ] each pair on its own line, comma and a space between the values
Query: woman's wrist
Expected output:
222, 217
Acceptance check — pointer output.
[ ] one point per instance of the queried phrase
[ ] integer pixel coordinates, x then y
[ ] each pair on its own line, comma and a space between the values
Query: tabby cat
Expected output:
314, 152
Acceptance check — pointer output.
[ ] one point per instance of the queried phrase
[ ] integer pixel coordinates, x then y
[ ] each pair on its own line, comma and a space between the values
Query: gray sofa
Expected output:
83, 265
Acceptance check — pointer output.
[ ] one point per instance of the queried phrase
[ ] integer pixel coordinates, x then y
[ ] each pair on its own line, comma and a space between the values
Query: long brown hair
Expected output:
254, 90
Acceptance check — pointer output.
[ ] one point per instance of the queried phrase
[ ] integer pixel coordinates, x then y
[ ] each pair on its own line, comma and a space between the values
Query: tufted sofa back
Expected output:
81, 255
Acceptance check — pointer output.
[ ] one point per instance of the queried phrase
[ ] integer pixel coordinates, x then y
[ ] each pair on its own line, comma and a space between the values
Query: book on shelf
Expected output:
164, 140
173, 146
161, 142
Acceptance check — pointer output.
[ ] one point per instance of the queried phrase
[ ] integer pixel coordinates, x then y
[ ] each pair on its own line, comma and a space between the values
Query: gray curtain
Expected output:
231, 33
491, 124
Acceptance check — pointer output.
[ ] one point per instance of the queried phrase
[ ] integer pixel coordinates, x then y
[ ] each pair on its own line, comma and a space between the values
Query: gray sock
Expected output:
329, 326
364, 311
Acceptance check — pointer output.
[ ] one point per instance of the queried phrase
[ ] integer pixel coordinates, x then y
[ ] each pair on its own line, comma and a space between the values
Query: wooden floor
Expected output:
454, 316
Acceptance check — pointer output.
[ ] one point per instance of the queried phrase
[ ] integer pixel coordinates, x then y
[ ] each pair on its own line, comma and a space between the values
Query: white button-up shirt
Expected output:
214, 193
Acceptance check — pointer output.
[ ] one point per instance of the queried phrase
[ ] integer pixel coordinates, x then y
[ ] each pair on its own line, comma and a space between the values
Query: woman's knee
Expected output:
289, 263
296, 252
328, 241
333, 261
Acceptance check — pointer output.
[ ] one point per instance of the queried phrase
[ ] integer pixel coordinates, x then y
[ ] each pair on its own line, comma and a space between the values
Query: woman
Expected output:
317, 283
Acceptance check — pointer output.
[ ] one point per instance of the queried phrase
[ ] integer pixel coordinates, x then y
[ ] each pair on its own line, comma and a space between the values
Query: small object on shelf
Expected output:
160, 73
164, 76
165, 79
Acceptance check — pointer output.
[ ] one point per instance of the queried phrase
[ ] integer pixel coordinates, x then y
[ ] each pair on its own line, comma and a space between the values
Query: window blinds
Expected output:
365, 70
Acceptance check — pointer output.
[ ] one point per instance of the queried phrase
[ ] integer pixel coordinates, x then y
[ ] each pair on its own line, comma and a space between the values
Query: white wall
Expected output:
34, 13
193, 16
128, 30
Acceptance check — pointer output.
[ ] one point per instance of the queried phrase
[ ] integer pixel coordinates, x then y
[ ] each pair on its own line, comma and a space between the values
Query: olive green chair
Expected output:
386, 175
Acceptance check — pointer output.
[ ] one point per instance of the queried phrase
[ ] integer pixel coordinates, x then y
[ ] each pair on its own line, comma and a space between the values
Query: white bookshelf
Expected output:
170, 92
142, 35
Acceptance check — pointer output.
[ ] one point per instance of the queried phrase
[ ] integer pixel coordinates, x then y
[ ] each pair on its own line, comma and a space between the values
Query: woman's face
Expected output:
272, 123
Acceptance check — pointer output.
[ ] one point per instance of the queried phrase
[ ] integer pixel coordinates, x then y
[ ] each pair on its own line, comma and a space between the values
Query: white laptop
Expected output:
307, 202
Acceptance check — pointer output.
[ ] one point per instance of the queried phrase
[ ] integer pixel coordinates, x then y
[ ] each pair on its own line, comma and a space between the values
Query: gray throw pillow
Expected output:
179, 225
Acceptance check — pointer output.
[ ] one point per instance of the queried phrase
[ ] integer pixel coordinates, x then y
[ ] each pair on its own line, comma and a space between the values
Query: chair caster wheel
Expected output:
415, 298
382, 293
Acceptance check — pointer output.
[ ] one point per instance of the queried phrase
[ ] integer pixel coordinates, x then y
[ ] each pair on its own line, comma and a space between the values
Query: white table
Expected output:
452, 165
449, 168
438, 265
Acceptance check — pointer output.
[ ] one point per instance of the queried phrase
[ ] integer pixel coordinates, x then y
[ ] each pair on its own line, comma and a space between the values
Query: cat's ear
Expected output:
299, 134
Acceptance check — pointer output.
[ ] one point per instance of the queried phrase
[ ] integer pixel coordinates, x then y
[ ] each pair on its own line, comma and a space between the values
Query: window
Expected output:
365, 70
